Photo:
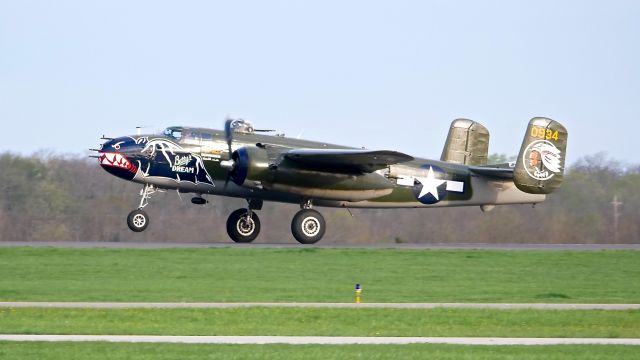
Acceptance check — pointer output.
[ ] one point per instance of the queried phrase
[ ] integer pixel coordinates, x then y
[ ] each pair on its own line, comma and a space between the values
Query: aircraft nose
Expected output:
116, 157
125, 145
117, 160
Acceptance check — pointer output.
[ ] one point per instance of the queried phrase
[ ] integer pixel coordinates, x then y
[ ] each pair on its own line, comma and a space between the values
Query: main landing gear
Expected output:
308, 225
243, 225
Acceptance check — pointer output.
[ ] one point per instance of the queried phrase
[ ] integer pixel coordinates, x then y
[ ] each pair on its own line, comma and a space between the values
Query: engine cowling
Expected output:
251, 166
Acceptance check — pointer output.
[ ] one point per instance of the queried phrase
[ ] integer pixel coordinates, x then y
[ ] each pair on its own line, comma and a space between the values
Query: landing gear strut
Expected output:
308, 225
138, 219
243, 225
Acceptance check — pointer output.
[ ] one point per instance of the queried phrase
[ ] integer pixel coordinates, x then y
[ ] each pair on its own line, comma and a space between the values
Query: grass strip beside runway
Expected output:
324, 322
318, 275
106, 351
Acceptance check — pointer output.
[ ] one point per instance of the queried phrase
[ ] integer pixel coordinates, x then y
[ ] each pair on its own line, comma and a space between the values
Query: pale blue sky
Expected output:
381, 74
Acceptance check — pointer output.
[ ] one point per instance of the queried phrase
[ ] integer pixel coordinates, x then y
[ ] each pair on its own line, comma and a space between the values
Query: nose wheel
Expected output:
243, 226
138, 220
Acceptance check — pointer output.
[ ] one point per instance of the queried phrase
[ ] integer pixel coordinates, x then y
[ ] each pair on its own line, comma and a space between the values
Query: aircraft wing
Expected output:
346, 160
494, 171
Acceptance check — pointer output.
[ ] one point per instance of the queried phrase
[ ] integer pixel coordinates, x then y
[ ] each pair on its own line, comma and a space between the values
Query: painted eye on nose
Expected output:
117, 145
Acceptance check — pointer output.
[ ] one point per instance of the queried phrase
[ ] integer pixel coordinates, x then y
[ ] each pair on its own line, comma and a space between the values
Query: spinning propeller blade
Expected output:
228, 136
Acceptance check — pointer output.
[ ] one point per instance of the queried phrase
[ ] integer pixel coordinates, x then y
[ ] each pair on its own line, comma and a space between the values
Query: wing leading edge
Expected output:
347, 160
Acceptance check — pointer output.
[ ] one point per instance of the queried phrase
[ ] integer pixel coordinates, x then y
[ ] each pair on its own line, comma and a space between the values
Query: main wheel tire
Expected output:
138, 220
242, 229
308, 226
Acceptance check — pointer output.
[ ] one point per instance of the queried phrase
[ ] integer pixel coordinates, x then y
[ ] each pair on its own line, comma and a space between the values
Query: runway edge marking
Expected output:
504, 306
320, 340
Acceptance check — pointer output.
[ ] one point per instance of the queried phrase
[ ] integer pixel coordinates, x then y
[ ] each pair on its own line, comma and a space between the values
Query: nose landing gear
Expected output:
138, 219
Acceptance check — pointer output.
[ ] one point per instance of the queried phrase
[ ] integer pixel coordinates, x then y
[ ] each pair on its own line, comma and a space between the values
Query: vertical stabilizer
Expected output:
540, 164
467, 143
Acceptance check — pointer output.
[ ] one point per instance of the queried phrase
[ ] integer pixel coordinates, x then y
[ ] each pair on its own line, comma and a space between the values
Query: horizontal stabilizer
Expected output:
347, 160
493, 172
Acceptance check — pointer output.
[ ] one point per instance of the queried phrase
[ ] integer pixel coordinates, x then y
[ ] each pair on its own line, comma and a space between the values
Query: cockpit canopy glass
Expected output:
173, 132
186, 135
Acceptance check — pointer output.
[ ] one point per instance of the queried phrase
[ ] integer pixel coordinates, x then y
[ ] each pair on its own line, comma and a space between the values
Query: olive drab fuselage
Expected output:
263, 167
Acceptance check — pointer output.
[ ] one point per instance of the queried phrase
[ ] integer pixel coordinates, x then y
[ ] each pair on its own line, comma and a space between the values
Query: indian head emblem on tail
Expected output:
540, 165
243, 162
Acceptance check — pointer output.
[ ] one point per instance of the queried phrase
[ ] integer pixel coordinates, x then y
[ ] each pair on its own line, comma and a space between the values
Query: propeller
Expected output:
228, 134
228, 164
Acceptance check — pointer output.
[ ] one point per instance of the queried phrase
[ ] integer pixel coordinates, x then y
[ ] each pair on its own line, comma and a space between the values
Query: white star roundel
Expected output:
433, 187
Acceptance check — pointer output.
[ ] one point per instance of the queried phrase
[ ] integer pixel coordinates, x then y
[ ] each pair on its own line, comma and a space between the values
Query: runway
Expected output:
320, 340
258, 245
122, 305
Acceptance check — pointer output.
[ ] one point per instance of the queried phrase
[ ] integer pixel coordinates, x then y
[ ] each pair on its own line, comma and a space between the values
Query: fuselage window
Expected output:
191, 137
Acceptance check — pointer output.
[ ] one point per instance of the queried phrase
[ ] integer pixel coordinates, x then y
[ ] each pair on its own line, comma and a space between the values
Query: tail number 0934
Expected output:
544, 134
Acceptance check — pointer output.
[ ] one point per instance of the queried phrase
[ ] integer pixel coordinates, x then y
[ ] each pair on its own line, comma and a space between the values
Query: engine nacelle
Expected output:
251, 166
254, 167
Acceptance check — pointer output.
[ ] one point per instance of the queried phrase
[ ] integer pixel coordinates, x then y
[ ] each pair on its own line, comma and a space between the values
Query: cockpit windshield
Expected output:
189, 135
173, 132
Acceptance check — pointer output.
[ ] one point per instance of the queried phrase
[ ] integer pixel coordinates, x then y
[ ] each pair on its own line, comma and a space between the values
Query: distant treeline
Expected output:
48, 197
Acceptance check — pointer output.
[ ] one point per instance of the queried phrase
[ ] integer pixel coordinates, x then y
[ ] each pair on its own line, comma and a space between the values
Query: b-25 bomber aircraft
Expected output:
244, 162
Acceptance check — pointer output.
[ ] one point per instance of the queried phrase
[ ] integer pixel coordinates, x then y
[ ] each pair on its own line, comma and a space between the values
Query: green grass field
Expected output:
318, 275
104, 351
324, 322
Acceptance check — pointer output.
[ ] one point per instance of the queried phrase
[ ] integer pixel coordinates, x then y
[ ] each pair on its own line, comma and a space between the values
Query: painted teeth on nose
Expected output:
115, 159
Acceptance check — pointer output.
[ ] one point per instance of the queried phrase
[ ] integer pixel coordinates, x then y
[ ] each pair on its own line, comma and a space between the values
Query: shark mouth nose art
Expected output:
117, 160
